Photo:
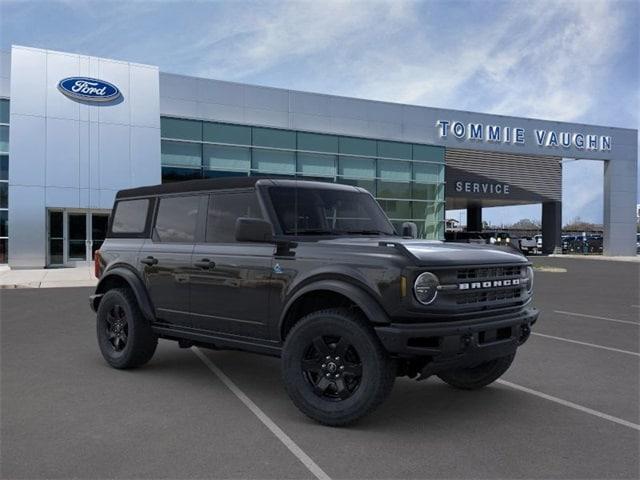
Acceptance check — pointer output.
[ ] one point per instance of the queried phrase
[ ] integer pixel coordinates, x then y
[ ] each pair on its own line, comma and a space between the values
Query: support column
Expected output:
620, 198
551, 227
474, 218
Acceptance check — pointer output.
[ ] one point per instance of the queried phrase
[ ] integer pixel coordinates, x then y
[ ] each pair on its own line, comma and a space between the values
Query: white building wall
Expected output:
70, 154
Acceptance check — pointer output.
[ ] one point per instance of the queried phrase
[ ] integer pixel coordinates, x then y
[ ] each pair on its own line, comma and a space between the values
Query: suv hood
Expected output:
437, 253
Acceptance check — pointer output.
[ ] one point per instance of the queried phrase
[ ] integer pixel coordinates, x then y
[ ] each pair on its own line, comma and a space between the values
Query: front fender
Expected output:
116, 276
365, 301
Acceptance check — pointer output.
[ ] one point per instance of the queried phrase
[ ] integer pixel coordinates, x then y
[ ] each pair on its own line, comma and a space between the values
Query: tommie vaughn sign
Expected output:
478, 132
88, 89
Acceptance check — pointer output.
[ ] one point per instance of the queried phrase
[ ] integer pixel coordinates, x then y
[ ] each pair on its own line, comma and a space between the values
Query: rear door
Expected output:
230, 289
166, 257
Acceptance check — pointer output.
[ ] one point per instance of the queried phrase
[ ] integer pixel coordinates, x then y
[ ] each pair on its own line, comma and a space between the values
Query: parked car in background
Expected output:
486, 237
528, 245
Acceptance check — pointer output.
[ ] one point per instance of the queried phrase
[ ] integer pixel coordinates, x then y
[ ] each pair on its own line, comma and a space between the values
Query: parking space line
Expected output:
270, 424
586, 344
575, 406
596, 317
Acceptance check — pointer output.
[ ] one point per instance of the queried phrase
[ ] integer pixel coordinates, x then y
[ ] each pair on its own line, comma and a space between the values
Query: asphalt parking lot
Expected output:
569, 406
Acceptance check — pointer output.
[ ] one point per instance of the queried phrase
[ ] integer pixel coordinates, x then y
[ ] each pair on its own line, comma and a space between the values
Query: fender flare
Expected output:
369, 305
136, 285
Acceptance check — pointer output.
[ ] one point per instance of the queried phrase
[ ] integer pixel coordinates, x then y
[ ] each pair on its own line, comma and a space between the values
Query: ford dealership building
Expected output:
75, 129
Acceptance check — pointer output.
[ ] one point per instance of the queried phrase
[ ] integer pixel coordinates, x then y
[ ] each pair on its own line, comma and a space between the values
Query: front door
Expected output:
77, 237
230, 289
165, 259
73, 236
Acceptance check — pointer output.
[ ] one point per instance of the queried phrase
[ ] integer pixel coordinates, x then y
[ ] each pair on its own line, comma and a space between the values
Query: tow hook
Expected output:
525, 332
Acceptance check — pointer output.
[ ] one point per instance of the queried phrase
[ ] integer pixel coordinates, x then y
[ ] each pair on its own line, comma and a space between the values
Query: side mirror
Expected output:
409, 229
253, 230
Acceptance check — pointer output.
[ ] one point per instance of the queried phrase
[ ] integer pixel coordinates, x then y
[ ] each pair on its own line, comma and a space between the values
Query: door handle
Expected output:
205, 263
149, 261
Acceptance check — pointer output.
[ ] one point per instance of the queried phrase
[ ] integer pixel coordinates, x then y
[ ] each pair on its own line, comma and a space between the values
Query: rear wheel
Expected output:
472, 378
335, 369
124, 335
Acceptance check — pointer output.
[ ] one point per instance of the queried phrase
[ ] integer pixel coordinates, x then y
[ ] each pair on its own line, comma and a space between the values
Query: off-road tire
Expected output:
141, 342
472, 378
378, 370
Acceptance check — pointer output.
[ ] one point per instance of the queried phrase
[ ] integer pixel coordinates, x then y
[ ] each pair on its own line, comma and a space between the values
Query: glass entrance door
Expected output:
73, 236
56, 238
77, 236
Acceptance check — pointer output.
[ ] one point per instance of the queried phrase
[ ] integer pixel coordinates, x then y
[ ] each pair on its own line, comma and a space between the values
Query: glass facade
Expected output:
407, 179
4, 180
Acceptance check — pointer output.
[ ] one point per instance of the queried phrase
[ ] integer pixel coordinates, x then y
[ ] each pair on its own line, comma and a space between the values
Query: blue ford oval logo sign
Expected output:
89, 89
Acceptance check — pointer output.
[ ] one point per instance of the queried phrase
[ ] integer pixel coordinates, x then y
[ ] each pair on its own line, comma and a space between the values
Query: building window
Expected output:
181, 154
173, 174
221, 157
314, 142
4, 167
394, 150
274, 138
4, 181
407, 179
4, 111
223, 133
316, 164
274, 161
181, 129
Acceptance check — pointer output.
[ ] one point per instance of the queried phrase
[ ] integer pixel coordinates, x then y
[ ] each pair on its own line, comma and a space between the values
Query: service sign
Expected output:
88, 89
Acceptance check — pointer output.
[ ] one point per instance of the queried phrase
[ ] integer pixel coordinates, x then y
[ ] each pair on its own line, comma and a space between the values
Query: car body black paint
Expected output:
237, 294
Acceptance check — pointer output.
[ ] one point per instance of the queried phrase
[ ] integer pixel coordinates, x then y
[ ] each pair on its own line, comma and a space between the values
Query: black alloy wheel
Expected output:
117, 327
125, 336
333, 367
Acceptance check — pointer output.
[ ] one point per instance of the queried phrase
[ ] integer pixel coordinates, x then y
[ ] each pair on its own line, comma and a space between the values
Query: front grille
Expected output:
489, 273
490, 296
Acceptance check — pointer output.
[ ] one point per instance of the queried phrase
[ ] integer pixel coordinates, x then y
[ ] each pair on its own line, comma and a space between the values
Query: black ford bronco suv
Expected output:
313, 273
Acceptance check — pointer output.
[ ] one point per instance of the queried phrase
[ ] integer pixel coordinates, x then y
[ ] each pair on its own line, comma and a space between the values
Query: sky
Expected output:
557, 60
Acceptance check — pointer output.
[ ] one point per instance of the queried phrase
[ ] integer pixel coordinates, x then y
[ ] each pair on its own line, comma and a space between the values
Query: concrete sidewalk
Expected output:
48, 278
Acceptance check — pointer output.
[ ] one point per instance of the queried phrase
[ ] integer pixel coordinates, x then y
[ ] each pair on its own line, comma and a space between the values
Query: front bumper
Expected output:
454, 344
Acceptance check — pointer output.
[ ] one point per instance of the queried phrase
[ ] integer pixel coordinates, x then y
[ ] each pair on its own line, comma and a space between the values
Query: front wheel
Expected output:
335, 369
472, 378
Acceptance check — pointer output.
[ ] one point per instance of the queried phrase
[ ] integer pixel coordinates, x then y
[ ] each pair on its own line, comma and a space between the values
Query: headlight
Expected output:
425, 288
529, 279
492, 240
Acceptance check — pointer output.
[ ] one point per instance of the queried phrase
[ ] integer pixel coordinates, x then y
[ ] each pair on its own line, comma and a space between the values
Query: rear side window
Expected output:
130, 216
176, 219
225, 209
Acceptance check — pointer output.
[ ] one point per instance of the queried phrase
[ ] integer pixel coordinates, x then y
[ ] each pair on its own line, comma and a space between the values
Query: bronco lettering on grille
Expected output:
489, 284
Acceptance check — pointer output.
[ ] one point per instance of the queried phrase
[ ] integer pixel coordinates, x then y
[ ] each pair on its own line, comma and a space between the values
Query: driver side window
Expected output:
225, 209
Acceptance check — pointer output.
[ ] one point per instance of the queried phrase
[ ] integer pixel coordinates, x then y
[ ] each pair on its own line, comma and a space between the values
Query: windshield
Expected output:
318, 211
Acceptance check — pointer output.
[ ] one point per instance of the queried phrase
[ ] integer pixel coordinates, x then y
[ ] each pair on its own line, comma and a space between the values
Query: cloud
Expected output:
570, 60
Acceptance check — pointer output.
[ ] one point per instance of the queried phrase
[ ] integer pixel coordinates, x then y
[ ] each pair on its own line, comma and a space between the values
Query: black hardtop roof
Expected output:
223, 184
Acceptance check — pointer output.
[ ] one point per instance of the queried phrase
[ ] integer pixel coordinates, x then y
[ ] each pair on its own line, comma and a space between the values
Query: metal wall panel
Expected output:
75, 154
